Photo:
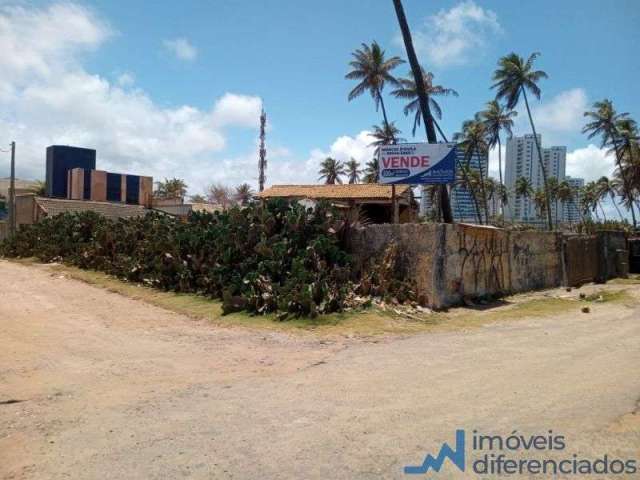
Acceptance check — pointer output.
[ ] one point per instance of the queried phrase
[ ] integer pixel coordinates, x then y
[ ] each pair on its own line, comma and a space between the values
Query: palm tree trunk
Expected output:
613, 200
445, 204
604, 216
384, 111
440, 131
625, 185
483, 190
500, 174
541, 162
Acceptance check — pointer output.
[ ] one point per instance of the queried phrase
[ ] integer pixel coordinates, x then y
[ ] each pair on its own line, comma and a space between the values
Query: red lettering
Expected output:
425, 160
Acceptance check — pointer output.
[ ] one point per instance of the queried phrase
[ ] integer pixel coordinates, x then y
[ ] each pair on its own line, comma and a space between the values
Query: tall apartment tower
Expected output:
462, 206
572, 208
522, 161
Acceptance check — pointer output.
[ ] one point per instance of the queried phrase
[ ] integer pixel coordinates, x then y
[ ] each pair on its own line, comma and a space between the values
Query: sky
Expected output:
176, 90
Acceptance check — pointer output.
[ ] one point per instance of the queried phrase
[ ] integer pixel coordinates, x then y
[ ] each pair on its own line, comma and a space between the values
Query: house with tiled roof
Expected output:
374, 201
30, 208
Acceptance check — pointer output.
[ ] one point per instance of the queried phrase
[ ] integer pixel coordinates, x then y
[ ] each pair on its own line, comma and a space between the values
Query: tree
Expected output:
353, 171
473, 141
513, 78
592, 196
564, 194
220, 194
409, 91
605, 189
243, 194
262, 152
198, 198
605, 122
372, 70
387, 134
523, 188
427, 117
371, 171
331, 170
496, 119
171, 188
39, 188
540, 200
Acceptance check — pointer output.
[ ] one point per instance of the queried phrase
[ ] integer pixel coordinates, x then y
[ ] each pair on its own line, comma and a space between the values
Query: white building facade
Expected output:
521, 160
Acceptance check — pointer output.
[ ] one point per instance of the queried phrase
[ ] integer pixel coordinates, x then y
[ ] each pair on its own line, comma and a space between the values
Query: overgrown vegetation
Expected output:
278, 258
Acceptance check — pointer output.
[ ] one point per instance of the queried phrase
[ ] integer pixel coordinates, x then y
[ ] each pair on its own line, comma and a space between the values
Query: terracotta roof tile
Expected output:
55, 206
372, 191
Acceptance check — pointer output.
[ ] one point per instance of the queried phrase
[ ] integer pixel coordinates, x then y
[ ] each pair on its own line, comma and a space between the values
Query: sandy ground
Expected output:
97, 386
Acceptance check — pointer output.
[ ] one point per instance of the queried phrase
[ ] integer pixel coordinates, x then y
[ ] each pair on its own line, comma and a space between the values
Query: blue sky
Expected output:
173, 90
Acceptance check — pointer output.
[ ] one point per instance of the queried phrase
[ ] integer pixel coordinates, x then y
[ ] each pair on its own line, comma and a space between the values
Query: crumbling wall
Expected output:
450, 263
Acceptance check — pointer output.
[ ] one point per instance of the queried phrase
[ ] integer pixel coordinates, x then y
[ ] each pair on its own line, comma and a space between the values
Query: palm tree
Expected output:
468, 180
630, 163
473, 140
387, 134
353, 170
540, 201
496, 119
514, 77
331, 170
408, 90
171, 188
605, 122
220, 194
373, 71
243, 194
427, 117
372, 171
564, 194
523, 188
593, 195
39, 188
607, 189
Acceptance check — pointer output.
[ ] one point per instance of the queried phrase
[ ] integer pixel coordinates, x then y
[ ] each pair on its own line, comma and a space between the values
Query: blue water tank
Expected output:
61, 159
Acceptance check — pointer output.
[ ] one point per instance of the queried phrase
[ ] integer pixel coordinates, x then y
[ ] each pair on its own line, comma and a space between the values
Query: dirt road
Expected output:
97, 386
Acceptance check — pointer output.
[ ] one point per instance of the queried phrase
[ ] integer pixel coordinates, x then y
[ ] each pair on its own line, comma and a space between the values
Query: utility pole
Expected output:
422, 96
262, 154
12, 192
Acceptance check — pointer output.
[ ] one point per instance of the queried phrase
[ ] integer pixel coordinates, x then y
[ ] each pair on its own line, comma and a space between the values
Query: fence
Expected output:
449, 263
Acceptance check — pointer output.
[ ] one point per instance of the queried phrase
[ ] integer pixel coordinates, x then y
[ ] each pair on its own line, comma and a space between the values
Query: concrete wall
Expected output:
449, 263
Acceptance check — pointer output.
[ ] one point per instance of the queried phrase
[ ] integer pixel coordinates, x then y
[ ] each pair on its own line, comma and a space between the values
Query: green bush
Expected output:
277, 258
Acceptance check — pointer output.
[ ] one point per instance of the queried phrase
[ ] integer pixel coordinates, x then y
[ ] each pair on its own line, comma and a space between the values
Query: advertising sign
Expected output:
417, 163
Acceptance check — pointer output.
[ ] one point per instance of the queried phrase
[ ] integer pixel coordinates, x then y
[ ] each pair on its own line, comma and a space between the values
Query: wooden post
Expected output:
394, 204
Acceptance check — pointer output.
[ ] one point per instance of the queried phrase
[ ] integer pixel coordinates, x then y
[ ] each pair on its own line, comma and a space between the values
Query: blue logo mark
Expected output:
457, 457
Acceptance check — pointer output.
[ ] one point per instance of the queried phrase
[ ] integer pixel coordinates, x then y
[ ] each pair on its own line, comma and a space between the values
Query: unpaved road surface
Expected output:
107, 387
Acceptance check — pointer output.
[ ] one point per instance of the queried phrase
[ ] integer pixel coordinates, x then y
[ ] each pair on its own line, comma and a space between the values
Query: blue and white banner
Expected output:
417, 163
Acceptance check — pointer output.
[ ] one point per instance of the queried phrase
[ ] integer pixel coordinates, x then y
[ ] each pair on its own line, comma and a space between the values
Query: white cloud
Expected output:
343, 148
590, 163
237, 110
563, 113
47, 97
126, 79
453, 37
181, 48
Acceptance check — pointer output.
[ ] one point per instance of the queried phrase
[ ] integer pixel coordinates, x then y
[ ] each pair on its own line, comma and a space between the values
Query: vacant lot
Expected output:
95, 385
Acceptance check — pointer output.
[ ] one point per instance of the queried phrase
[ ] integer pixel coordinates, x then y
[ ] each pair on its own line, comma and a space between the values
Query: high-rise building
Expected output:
572, 208
522, 161
462, 205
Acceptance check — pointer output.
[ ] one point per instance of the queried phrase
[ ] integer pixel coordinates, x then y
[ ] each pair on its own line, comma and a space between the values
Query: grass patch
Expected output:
632, 279
537, 307
603, 296
370, 322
